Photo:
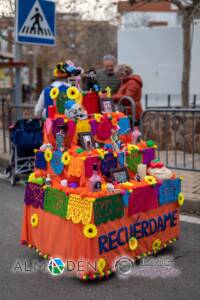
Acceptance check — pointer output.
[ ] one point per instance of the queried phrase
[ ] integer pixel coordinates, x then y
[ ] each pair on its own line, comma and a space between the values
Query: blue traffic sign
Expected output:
35, 22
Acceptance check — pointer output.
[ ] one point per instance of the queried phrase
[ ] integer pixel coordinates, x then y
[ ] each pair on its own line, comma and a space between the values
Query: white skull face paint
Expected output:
76, 112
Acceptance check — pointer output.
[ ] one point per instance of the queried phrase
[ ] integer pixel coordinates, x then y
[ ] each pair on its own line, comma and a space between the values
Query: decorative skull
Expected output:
74, 111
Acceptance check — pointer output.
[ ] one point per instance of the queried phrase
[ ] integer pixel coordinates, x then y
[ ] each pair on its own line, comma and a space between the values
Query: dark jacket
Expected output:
105, 80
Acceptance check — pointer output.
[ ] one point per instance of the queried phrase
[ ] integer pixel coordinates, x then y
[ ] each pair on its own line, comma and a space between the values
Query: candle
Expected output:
51, 111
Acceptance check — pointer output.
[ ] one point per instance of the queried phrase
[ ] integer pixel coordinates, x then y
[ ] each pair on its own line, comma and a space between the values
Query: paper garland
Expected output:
80, 209
56, 202
108, 209
143, 199
34, 195
76, 166
169, 191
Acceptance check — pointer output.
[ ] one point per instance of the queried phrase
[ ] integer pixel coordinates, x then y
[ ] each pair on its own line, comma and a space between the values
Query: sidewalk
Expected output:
191, 190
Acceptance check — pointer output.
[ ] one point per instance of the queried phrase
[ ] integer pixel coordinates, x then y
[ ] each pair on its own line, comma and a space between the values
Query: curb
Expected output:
4, 160
191, 206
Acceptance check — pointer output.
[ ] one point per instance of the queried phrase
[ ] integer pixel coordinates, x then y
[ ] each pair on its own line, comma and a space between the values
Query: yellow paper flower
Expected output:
101, 152
31, 177
73, 93
48, 155
34, 220
128, 184
97, 117
54, 92
181, 199
65, 158
90, 231
150, 179
132, 147
101, 264
156, 245
133, 243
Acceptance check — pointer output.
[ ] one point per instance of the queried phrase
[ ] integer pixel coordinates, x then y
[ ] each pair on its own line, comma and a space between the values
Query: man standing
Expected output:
106, 76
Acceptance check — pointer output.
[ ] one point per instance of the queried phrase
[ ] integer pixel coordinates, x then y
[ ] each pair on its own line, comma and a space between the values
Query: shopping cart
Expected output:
25, 136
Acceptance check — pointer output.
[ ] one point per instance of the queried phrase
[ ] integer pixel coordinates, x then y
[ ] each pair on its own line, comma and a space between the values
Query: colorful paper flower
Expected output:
150, 179
48, 155
34, 220
128, 184
181, 199
54, 92
132, 147
133, 243
97, 117
156, 245
65, 158
101, 264
31, 177
101, 152
73, 93
90, 231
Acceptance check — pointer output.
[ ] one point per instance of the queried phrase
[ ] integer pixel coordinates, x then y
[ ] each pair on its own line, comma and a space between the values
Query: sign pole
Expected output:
18, 86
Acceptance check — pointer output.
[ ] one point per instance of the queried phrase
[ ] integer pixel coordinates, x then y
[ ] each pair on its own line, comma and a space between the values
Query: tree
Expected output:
188, 9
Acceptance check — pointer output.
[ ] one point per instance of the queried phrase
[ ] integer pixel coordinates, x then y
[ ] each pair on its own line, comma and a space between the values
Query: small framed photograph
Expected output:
106, 105
120, 175
86, 140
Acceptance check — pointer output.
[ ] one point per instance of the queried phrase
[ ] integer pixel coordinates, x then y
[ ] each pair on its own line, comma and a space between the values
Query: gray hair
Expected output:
109, 57
123, 70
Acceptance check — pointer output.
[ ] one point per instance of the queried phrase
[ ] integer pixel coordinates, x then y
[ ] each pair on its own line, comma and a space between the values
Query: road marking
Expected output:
190, 219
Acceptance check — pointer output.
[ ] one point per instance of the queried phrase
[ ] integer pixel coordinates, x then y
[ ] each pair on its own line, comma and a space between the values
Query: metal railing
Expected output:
176, 132
168, 101
128, 108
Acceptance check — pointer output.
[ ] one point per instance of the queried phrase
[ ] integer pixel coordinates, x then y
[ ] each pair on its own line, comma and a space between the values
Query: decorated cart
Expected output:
94, 196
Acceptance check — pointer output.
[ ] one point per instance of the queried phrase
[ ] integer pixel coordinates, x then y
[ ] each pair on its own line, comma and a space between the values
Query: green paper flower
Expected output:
150, 143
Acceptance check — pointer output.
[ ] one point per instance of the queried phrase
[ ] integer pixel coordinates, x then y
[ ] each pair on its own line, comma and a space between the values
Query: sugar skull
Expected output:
74, 111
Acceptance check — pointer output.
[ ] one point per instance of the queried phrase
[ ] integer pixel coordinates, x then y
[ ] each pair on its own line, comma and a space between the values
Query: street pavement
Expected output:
173, 274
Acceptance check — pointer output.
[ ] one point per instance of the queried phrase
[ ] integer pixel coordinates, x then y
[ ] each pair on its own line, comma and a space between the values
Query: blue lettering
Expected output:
161, 226
119, 241
112, 241
145, 225
103, 239
152, 230
137, 231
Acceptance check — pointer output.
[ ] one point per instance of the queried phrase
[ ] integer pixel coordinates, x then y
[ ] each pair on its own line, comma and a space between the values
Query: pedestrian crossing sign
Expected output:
35, 22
